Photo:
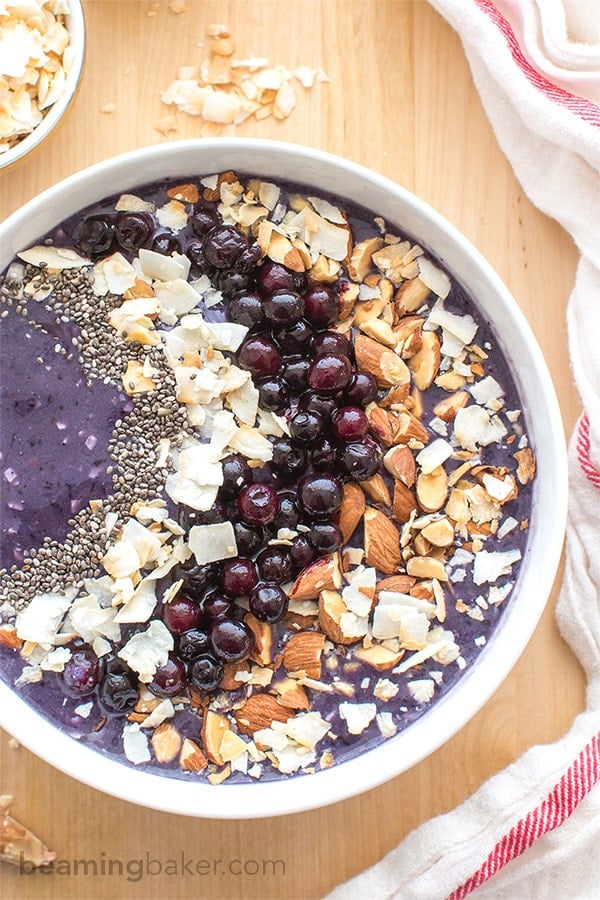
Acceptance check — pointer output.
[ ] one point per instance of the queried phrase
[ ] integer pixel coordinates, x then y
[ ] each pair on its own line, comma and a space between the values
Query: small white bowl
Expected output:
398, 206
76, 26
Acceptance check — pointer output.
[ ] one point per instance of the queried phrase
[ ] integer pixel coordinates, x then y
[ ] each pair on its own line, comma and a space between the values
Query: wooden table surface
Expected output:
401, 101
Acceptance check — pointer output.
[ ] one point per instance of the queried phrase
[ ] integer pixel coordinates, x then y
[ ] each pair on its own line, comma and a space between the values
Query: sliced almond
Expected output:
9, 637
281, 250
526, 465
260, 711
404, 502
400, 584
214, 727
400, 463
166, 742
410, 427
360, 263
397, 394
263, 640
426, 567
447, 408
432, 489
303, 653
440, 532
347, 299
380, 331
324, 269
411, 295
351, 509
378, 657
368, 310
322, 575
191, 757
292, 694
383, 364
383, 424
425, 364
377, 490
332, 611
382, 541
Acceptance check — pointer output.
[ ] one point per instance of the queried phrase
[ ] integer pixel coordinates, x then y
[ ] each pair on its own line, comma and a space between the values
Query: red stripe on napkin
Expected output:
583, 108
563, 799
583, 451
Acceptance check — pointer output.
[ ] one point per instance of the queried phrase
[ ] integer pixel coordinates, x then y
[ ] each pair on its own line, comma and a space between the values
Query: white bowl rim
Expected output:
369, 769
76, 23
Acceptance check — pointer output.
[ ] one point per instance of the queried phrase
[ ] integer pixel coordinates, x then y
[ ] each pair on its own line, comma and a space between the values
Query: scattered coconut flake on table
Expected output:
225, 91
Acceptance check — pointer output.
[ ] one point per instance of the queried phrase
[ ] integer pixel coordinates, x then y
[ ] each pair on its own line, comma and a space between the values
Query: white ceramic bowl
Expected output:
465, 263
76, 26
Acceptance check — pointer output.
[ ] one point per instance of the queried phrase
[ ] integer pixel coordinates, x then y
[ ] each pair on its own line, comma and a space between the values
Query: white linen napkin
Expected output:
533, 830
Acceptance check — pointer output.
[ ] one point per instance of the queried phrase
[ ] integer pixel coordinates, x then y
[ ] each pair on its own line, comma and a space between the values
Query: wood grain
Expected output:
401, 101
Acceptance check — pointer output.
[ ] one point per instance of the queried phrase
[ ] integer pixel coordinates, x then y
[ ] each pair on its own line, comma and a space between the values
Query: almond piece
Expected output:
351, 509
9, 637
368, 310
407, 326
400, 463
303, 653
411, 295
380, 331
263, 640
383, 364
214, 727
348, 297
383, 424
292, 694
447, 408
377, 490
382, 542
331, 610
440, 533
378, 657
166, 742
400, 584
322, 575
425, 364
432, 489
426, 567
526, 465
410, 427
412, 345
187, 193
229, 682
360, 263
260, 711
191, 757
324, 269
396, 394
404, 502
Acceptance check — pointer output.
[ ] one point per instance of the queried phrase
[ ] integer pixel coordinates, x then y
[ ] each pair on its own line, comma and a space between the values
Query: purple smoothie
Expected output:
49, 480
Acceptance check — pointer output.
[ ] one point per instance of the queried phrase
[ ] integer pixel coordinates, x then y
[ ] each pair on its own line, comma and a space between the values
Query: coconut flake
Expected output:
147, 650
489, 566
357, 716
210, 543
